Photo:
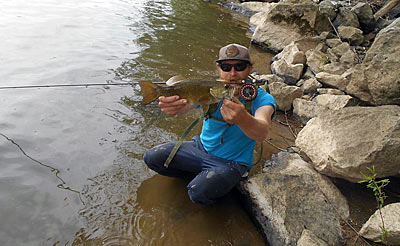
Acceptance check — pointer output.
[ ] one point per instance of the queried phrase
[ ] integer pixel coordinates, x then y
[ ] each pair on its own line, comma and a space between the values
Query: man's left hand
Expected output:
234, 112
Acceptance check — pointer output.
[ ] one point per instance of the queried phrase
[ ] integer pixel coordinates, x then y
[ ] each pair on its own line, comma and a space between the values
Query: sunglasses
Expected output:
226, 67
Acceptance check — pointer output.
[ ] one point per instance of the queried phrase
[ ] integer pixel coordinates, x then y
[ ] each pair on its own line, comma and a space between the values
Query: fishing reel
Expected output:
248, 90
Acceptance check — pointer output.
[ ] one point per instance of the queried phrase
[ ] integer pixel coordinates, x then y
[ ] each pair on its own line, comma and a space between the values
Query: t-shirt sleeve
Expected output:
263, 99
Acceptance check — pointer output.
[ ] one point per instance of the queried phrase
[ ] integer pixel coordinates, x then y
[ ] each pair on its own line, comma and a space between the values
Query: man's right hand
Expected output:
172, 105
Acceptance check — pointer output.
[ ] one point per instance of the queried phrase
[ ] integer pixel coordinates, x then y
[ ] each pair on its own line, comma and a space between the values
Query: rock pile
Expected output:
337, 67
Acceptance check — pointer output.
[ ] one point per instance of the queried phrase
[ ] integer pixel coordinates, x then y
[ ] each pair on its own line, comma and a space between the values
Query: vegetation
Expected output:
377, 187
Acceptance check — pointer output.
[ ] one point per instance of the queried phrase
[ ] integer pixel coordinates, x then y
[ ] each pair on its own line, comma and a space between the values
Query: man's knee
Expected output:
209, 186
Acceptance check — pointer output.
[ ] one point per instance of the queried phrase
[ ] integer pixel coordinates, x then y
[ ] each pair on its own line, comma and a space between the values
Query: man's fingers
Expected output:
168, 99
171, 103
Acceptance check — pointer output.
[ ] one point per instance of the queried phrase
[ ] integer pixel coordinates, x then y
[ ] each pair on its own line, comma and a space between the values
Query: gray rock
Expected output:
316, 60
309, 239
382, 63
341, 143
330, 91
310, 86
287, 22
334, 102
358, 84
328, 8
289, 195
365, 16
332, 80
351, 34
333, 42
284, 94
304, 110
346, 18
336, 68
341, 49
391, 217
291, 73
292, 54
349, 58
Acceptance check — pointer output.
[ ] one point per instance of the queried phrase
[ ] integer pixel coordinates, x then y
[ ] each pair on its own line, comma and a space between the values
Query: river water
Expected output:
71, 158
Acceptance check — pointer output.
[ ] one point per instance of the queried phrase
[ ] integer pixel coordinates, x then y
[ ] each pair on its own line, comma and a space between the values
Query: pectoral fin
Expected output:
205, 107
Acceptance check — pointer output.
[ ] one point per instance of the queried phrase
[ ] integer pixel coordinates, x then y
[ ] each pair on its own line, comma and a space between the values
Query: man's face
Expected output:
234, 70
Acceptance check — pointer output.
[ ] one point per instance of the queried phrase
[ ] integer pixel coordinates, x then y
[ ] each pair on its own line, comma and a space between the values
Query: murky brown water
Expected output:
71, 158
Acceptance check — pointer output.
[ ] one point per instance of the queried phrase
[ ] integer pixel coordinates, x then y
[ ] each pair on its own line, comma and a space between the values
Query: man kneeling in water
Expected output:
213, 167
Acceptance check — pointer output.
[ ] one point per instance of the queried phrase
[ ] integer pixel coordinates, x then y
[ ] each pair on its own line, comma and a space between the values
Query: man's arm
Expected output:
256, 127
174, 106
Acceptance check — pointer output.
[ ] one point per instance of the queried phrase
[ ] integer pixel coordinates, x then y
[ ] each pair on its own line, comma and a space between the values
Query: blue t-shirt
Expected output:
236, 145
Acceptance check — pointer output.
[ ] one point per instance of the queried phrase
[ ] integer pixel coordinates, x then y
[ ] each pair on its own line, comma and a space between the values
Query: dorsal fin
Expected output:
174, 80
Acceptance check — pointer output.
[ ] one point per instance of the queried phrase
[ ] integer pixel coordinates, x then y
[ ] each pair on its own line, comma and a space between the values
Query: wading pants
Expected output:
211, 177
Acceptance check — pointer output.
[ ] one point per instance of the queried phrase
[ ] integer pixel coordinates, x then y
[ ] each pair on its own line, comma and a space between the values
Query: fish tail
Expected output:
150, 92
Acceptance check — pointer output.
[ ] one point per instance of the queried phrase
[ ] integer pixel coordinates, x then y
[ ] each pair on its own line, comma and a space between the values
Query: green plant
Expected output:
377, 187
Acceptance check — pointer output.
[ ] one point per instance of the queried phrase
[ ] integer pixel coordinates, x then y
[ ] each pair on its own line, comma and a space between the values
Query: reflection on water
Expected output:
71, 158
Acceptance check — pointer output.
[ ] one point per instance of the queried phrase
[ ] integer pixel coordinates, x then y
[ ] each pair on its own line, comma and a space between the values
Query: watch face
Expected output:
248, 92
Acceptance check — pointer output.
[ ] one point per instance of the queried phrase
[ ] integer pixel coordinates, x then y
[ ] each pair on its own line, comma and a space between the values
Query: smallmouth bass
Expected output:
196, 92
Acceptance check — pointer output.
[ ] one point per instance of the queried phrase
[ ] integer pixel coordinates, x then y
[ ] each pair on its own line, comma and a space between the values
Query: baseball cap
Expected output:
234, 52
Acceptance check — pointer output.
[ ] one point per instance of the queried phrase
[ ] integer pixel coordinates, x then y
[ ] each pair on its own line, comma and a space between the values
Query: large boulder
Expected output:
289, 195
288, 22
342, 143
391, 217
377, 80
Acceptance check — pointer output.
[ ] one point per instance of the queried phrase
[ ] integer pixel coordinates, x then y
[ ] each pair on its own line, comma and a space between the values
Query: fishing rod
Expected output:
70, 85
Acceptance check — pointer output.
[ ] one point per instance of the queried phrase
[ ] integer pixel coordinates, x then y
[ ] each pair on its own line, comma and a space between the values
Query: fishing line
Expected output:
70, 85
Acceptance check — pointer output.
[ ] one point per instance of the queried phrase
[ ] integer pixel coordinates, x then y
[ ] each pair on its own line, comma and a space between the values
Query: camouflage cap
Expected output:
234, 52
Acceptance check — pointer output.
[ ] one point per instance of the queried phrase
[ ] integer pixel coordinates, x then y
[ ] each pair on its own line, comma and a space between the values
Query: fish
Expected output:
196, 92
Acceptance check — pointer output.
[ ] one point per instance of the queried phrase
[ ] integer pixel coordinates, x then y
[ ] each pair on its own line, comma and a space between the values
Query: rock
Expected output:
284, 94
365, 16
346, 18
335, 68
304, 110
309, 239
330, 91
292, 55
256, 20
327, 7
310, 86
391, 217
340, 49
351, 34
382, 63
349, 58
333, 42
341, 143
287, 22
308, 74
257, 6
316, 60
290, 73
271, 78
332, 80
289, 195
334, 102
358, 84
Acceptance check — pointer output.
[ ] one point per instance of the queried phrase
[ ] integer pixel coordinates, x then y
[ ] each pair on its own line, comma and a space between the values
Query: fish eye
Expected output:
226, 86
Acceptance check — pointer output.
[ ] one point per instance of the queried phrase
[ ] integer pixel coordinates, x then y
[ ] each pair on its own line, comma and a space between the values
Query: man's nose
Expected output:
233, 71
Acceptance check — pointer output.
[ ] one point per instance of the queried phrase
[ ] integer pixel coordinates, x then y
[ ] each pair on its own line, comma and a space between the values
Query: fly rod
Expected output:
70, 85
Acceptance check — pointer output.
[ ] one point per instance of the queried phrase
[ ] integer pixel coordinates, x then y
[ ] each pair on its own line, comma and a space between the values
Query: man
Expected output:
215, 162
